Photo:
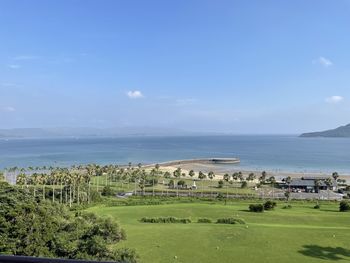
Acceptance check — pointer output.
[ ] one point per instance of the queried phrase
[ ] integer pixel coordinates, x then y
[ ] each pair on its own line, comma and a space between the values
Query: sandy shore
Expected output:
220, 170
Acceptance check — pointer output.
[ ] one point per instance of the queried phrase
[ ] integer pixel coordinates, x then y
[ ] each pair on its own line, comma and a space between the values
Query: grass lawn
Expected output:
300, 234
206, 186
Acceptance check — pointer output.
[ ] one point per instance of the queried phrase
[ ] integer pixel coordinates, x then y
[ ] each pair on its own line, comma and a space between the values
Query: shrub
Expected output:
287, 207
95, 196
269, 205
107, 191
258, 208
181, 183
220, 183
169, 219
317, 206
230, 220
151, 181
244, 184
204, 220
32, 227
344, 206
220, 196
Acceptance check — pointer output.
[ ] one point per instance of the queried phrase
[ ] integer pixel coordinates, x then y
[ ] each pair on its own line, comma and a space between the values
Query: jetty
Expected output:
197, 161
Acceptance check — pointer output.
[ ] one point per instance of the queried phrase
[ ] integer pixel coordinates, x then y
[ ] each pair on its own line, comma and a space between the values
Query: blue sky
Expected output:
226, 66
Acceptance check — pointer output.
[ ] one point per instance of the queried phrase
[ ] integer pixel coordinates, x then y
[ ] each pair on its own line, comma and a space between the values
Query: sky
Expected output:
242, 67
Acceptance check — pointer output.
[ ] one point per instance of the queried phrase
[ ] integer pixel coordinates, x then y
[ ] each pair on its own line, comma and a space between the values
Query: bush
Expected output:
287, 207
244, 184
169, 219
204, 220
344, 206
151, 181
220, 196
220, 184
107, 191
257, 208
33, 227
269, 205
230, 220
181, 183
317, 206
126, 255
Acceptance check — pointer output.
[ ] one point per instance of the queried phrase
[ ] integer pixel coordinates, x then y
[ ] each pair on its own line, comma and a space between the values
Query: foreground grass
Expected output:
300, 234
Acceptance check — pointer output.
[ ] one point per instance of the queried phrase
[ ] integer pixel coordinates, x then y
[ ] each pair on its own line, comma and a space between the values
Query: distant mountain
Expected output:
91, 132
342, 131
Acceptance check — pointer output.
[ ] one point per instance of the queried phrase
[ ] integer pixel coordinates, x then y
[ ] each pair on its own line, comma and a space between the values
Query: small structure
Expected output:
309, 184
194, 186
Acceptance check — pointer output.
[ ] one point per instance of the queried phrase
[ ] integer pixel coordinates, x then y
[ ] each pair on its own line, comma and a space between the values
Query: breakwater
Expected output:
197, 161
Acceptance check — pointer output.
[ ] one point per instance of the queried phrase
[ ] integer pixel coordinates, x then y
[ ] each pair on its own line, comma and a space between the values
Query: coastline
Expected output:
220, 169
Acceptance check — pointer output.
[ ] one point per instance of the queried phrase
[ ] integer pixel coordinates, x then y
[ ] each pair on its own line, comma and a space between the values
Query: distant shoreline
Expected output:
208, 164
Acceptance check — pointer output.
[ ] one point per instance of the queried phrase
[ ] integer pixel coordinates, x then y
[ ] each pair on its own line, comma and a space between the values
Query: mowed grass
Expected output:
206, 186
300, 234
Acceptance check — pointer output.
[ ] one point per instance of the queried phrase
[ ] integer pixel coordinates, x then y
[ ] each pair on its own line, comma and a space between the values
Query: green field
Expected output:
206, 186
300, 234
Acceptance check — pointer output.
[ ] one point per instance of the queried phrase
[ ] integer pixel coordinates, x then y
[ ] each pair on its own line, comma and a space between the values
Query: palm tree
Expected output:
78, 179
42, 181
35, 180
317, 186
70, 180
201, 176
177, 174
87, 179
54, 177
167, 175
272, 181
60, 179
288, 181
211, 176
335, 176
329, 183
142, 181
191, 173
226, 179
235, 176
251, 177
153, 174
262, 178
21, 180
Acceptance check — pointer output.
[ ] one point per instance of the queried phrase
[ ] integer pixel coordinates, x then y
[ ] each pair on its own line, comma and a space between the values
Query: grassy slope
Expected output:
276, 236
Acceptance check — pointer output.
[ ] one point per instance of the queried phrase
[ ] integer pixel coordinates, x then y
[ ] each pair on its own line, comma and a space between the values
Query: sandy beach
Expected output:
221, 169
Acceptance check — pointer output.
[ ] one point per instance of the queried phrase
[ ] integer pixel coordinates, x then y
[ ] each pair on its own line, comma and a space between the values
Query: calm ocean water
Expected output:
287, 153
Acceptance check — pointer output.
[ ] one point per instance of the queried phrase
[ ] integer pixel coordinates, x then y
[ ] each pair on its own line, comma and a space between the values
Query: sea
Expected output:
264, 152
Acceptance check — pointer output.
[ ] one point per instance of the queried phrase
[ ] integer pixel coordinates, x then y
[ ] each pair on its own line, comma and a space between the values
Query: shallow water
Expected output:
287, 153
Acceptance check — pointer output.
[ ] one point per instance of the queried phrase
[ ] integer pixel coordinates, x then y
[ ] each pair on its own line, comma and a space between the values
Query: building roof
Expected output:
310, 182
301, 182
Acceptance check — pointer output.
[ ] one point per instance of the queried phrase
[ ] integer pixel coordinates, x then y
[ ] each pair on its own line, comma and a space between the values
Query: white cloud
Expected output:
134, 94
14, 66
323, 62
334, 99
9, 109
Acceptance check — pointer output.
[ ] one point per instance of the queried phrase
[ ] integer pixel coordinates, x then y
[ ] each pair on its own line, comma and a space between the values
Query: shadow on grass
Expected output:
328, 253
329, 210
